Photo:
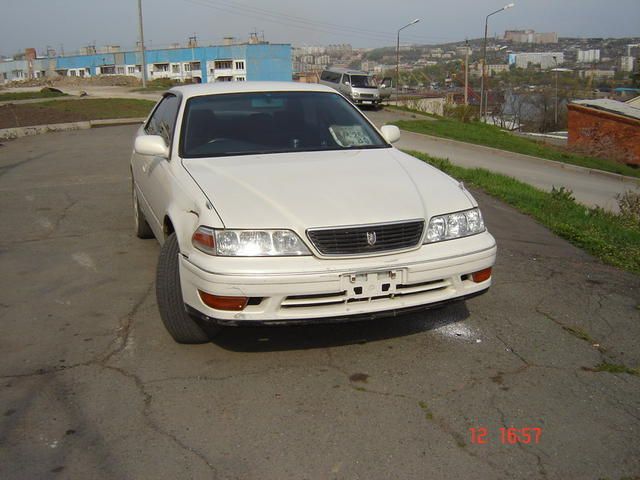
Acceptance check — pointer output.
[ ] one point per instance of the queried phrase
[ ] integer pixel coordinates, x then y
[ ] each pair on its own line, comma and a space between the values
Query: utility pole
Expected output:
466, 73
398, 71
555, 59
144, 61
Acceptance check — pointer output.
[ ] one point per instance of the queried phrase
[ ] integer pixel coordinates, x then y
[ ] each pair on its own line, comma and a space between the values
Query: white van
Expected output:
356, 85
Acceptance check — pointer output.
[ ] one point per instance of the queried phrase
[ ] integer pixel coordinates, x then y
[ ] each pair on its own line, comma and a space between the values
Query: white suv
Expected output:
281, 203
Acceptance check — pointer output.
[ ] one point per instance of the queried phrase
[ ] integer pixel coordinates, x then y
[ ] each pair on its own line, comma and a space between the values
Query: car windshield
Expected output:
362, 81
258, 123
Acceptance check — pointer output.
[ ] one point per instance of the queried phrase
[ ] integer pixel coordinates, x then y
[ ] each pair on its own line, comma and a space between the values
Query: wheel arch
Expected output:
181, 222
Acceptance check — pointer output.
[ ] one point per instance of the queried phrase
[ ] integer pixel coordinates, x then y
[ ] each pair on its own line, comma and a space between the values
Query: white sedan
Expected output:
280, 203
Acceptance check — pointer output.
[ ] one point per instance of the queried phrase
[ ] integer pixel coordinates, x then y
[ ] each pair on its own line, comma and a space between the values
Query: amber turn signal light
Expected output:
234, 304
481, 275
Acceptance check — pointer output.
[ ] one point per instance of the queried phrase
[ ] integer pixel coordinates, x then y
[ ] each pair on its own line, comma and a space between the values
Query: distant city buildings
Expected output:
544, 60
224, 63
627, 64
476, 69
588, 56
530, 36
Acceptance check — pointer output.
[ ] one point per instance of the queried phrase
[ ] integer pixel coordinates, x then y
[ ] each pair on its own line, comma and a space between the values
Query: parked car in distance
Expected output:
357, 86
281, 203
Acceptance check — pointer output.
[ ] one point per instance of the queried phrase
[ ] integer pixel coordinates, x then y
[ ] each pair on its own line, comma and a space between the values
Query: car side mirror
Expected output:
391, 133
151, 145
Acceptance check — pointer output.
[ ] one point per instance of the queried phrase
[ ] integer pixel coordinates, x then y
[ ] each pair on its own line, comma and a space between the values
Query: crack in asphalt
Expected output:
601, 350
541, 469
147, 399
440, 422
101, 361
609, 396
4, 169
63, 215
122, 335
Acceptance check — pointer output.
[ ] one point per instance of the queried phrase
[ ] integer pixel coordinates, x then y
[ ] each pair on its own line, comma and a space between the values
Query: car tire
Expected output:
141, 226
180, 325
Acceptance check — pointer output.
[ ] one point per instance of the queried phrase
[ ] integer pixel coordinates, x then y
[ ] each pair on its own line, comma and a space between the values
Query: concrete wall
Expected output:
605, 134
433, 106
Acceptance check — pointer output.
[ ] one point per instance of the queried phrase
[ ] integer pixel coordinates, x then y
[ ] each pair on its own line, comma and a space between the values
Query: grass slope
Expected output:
491, 136
43, 113
11, 96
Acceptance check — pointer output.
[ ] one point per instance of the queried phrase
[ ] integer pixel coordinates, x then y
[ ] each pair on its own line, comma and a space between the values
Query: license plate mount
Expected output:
360, 285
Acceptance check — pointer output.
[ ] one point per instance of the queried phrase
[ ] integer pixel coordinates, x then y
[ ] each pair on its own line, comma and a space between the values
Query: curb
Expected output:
13, 133
554, 163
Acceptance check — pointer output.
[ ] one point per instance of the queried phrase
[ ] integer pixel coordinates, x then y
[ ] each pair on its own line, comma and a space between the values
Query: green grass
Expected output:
101, 108
491, 136
615, 368
428, 414
10, 96
612, 238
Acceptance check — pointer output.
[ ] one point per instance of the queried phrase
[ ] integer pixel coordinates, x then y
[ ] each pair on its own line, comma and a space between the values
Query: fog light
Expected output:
481, 275
223, 303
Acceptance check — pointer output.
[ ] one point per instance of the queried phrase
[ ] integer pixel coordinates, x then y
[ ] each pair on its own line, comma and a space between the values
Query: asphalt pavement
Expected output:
91, 385
589, 188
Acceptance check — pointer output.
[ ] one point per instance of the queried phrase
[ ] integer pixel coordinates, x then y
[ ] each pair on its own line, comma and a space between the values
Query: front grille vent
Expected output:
367, 239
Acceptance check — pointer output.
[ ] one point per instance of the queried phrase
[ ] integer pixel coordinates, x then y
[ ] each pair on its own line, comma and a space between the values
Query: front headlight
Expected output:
455, 225
248, 243
356, 94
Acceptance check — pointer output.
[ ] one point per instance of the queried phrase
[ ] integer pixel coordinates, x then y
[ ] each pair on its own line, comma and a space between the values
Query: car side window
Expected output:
163, 120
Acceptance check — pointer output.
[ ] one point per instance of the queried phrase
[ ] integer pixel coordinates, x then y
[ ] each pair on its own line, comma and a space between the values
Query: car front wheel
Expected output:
182, 327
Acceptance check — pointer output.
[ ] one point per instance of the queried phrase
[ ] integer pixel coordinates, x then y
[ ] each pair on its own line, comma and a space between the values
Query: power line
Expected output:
295, 21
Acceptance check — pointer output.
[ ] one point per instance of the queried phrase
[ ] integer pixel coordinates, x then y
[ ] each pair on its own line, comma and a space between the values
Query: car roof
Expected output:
219, 88
348, 71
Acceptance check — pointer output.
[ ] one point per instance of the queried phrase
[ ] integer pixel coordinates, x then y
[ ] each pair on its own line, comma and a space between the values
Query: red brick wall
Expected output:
605, 134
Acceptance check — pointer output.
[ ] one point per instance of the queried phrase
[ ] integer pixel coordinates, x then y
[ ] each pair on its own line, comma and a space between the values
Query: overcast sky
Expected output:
363, 23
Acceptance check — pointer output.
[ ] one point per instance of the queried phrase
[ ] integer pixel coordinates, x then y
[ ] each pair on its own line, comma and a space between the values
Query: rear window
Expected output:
257, 123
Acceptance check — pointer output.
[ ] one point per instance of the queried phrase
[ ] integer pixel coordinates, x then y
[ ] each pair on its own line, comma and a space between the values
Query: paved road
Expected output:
91, 386
587, 188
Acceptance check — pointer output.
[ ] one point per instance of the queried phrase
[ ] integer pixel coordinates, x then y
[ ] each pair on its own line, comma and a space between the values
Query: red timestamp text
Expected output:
508, 436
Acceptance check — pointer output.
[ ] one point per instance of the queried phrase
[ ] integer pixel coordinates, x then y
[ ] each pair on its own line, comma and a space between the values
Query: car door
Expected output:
152, 173
385, 87
345, 85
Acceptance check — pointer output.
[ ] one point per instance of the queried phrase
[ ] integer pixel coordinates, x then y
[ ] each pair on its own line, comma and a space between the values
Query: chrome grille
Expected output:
361, 239
366, 95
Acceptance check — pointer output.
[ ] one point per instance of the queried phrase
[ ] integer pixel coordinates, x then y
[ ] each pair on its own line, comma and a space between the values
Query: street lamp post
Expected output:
555, 59
142, 52
398, 58
484, 54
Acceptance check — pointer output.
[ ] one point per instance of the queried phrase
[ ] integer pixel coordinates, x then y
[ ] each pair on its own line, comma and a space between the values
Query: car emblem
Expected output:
371, 238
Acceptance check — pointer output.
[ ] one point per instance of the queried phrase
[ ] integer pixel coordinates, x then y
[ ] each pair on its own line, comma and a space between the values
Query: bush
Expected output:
629, 204
462, 113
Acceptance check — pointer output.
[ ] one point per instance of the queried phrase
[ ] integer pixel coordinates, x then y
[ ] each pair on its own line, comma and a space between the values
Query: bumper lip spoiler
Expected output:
328, 320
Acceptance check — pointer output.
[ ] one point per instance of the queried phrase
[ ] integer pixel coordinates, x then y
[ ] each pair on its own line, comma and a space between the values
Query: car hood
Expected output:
303, 190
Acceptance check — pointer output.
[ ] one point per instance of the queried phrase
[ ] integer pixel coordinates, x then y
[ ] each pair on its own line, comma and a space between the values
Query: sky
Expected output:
71, 24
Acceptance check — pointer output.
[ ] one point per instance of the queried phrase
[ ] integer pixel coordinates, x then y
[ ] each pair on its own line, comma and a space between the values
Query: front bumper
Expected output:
310, 289
366, 101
